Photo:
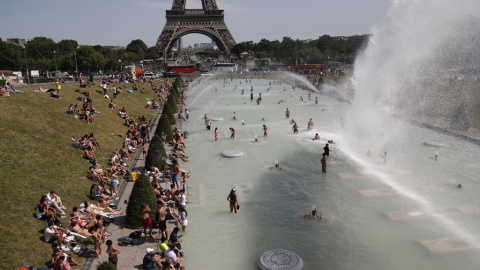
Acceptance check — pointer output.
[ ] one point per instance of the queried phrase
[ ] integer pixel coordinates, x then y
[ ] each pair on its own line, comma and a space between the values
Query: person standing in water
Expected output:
385, 157
233, 133
287, 114
316, 100
216, 134
295, 128
232, 198
265, 131
310, 124
326, 150
324, 163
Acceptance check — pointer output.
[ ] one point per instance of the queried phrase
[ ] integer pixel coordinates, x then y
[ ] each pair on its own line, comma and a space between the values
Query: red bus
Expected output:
181, 69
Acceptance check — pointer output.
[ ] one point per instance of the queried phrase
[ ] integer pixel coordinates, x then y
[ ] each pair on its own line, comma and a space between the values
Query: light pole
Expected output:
76, 66
56, 69
26, 64
121, 67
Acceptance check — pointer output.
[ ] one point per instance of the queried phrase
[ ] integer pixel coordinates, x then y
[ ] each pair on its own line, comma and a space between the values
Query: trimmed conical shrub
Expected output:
168, 111
142, 193
165, 127
156, 154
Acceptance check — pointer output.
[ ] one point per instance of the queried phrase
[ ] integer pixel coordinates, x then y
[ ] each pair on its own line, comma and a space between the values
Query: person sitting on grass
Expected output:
89, 155
96, 194
124, 152
53, 200
93, 140
112, 105
53, 233
43, 209
58, 253
97, 173
3, 92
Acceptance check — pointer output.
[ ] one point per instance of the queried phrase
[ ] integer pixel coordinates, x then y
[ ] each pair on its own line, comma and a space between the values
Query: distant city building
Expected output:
16, 41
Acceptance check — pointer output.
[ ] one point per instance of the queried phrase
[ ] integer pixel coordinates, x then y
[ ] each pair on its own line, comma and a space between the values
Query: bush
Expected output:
168, 111
3, 82
142, 193
156, 154
165, 127
172, 102
106, 266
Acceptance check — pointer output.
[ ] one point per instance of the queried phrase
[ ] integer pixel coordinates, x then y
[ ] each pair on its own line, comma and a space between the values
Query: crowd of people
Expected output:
87, 220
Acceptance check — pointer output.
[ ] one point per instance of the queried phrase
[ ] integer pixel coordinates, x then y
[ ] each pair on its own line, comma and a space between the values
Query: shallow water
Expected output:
354, 233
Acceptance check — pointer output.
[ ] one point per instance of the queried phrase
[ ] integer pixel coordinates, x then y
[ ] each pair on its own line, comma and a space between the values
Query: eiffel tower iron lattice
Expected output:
208, 21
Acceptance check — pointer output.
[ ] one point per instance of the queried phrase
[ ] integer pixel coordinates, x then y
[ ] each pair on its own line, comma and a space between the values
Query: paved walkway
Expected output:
132, 256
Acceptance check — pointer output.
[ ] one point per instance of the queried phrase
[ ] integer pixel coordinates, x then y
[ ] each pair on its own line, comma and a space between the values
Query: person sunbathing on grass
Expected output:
76, 213
92, 208
80, 226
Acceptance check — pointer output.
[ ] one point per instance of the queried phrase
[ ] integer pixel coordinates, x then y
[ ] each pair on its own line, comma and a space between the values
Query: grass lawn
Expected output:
37, 156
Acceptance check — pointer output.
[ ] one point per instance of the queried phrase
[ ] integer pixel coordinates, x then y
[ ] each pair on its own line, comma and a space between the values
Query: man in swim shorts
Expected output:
310, 124
146, 220
175, 173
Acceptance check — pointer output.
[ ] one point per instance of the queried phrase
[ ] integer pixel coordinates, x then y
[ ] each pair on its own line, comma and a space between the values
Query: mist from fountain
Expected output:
402, 74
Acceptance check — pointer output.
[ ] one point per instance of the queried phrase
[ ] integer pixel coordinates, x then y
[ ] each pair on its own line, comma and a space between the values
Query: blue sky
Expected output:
118, 22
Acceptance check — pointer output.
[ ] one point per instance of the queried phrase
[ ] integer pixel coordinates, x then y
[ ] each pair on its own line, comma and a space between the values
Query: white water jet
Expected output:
403, 75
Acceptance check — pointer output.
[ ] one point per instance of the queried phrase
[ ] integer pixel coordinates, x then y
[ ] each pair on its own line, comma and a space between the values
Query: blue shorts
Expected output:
175, 177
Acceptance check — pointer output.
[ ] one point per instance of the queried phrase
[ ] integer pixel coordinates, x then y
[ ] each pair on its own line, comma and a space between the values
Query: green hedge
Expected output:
156, 154
168, 111
106, 266
165, 127
142, 193
172, 102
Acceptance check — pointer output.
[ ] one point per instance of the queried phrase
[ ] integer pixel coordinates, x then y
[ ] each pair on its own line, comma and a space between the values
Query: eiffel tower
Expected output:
207, 21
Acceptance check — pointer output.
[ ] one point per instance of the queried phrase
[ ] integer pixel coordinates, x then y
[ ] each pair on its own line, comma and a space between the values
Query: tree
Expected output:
142, 193
152, 53
41, 47
156, 154
168, 111
67, 46
164, 126
128, 57
11, 56
89, 60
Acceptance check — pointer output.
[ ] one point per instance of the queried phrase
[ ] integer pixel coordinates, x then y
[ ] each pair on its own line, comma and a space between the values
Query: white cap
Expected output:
148, 250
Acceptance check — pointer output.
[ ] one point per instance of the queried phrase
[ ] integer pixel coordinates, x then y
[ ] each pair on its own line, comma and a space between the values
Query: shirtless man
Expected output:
310, 124
317, 137
233, 133
112, 253
175, 173
146, 220
162, 218
287, 114
89, 155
